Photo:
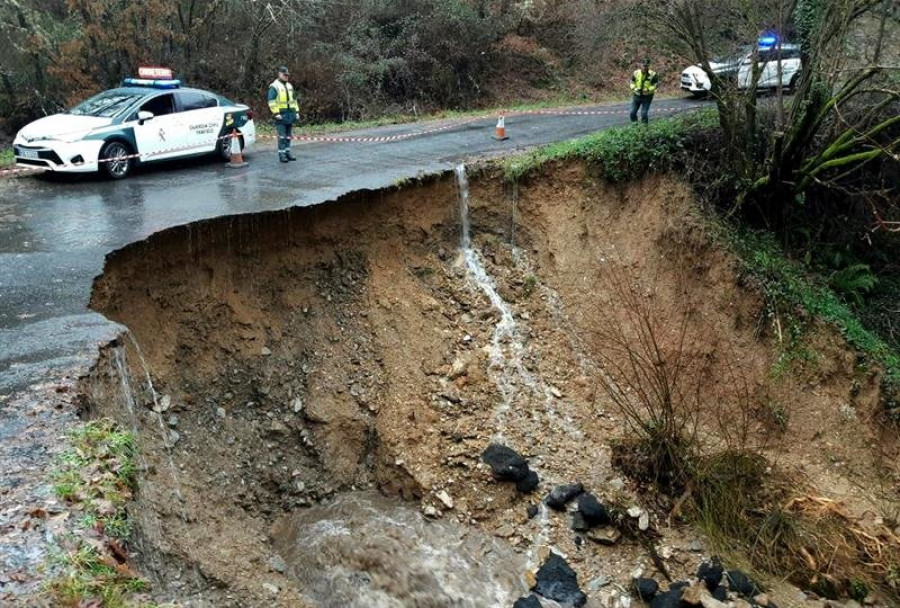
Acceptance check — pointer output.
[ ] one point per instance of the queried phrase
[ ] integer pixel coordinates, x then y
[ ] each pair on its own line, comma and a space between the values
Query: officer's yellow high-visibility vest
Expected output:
284, 99
644, 85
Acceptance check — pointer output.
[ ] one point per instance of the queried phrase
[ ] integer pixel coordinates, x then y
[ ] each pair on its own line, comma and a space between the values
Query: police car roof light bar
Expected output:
767, 42
155, 84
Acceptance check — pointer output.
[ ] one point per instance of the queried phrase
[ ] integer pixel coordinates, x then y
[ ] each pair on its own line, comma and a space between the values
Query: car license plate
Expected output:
28, 153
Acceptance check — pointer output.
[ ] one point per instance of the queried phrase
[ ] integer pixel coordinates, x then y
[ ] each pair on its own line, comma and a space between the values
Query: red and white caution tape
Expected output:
376, 138
21, 171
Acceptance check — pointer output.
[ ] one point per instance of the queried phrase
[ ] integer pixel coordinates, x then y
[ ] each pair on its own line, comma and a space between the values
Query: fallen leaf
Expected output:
125, 570
117, 550
105, 507
38, 513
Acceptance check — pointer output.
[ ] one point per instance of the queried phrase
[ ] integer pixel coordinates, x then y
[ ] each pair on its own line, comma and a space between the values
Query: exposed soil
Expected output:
304, 353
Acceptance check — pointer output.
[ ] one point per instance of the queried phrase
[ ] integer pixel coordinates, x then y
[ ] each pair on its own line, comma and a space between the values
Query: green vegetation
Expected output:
623, 153
529, 286
792, 297
6, 157
88, 576
359, 58
97, 476
854, 281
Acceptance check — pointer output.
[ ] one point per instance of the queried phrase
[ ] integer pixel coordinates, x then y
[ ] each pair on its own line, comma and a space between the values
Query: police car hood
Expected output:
717, 67
66, 127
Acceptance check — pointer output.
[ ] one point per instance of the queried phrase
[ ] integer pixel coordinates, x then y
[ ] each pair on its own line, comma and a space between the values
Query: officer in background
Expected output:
643, 85
285, 109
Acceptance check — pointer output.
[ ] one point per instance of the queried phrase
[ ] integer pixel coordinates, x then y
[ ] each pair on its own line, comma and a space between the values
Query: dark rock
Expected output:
560, 496
593, 511
528, 602
529, 484
645, 588
669, 599
532, 510
506, 464
742, 584
579, 524
710, 573
720, 593
557, 581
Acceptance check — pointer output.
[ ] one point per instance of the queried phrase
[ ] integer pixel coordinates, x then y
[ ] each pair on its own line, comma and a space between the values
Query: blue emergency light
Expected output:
767, 42
154, 84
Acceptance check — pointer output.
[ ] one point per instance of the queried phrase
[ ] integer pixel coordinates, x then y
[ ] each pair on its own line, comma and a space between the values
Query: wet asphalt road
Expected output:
55, 233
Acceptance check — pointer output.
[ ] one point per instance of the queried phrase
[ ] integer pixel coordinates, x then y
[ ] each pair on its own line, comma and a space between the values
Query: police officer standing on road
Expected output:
643, 86
285, 109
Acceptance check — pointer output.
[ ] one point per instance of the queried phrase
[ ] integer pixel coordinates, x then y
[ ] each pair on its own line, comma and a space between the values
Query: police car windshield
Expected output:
106, 104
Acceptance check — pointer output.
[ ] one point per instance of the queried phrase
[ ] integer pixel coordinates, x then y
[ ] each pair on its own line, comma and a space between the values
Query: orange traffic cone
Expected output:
500, 131
237, 157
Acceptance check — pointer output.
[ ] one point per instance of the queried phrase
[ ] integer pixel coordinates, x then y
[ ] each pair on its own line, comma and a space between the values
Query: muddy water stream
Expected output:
507, 348
364, 550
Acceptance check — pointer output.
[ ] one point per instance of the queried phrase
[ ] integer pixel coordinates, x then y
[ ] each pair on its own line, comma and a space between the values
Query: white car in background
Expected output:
695, 80
145, 120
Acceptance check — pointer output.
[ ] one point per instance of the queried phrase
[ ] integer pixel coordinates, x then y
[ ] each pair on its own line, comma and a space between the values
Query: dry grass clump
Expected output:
815, 542
823, 546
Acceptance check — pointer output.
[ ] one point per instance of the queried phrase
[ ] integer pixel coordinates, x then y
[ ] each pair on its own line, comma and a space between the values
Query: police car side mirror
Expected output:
144, 116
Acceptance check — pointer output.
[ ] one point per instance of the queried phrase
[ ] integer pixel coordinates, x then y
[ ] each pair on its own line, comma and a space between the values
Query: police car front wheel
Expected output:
114, 159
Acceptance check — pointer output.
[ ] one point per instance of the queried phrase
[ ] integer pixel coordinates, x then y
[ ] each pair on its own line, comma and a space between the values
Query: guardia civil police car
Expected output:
147, 119
740, 68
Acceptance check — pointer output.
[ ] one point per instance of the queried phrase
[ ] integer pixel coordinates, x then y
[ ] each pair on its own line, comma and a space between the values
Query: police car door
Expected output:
768, 77
745, 71
201, 120
160, 136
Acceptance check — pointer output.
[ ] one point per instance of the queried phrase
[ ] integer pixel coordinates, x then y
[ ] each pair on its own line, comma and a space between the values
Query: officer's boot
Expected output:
283, 156
290, 155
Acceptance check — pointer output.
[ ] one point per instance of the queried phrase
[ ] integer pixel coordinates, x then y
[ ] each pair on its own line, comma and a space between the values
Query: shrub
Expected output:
793, 299
623, 153
854, 281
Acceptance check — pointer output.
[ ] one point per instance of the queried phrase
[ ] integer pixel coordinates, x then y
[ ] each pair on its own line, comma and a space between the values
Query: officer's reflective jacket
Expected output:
642, 84
282, 98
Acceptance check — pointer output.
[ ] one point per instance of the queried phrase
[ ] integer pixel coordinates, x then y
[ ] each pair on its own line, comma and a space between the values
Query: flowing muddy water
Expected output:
367, 551
507, 347
507, 356
362, 549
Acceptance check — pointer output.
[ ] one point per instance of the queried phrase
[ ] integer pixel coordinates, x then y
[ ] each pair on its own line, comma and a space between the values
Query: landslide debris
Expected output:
281, 361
